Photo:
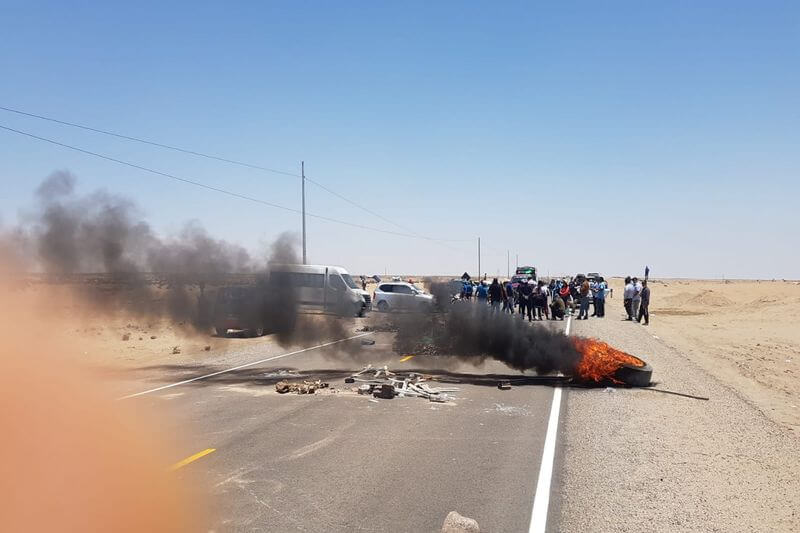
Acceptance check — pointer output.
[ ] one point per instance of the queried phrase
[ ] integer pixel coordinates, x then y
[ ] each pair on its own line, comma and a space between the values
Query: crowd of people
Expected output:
637, 300
538, 300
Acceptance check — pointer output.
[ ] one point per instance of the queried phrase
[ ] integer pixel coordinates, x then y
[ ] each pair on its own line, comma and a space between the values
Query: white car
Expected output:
401, 296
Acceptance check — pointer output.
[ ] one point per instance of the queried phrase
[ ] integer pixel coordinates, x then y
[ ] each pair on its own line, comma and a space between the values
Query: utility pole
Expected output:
479, 258
303, 177
508, 263
517, 261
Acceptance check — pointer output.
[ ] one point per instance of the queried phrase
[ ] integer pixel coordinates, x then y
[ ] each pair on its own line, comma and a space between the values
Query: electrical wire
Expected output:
210, 187
224, 160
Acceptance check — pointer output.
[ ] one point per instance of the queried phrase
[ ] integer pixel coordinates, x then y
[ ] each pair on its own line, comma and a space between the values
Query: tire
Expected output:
634, 376
383, 306
221, 332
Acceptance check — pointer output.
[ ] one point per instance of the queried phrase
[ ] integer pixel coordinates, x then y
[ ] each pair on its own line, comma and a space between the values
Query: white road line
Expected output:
541, 499
184, 382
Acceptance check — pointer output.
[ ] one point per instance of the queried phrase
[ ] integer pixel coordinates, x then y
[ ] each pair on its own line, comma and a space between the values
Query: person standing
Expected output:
627, 296
644, 306
509, 298
637, 298
600, 298
525, 292
495, 294
583, 294
482, 292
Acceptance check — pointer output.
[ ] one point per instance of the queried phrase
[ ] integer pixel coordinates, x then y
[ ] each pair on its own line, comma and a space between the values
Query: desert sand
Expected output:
743, 332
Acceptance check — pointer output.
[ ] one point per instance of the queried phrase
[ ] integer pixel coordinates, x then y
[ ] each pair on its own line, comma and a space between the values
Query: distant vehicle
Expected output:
401, 296
593, 276
528, 272
516, 279
313, 289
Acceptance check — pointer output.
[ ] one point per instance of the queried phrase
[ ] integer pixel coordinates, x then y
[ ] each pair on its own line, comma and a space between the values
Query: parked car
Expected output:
401, 296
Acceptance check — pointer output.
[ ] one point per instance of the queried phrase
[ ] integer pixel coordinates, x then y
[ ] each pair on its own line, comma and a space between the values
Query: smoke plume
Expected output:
474, 333
101, 245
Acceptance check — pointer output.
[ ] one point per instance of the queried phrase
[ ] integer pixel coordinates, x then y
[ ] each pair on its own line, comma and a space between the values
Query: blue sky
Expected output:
581, 136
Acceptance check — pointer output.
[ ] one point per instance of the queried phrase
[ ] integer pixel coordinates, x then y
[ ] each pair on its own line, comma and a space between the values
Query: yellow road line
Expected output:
406, 358
192, 458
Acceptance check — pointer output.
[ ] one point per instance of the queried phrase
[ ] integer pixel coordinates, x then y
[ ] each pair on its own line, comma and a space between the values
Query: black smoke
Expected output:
473, 332
101, 244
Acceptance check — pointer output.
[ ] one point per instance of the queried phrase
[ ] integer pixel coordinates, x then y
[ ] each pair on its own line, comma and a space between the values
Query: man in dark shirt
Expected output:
644, 305
495, 295
525, 291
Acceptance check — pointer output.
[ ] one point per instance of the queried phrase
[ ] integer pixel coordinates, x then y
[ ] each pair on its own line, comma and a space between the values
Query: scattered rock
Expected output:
126, 337
152, 336
300, 387
140, 338
176, 350
455, 523
368, 342
207, 348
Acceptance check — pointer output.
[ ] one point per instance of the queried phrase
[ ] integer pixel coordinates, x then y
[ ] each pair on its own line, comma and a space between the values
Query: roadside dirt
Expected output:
745, 333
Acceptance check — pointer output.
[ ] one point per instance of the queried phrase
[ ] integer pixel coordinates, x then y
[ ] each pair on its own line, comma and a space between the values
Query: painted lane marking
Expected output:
541, 499
191, 458
406, 358
184, 382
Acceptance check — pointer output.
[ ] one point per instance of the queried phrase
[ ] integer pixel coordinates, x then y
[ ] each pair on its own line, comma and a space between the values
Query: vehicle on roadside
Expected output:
284, 292
401, 296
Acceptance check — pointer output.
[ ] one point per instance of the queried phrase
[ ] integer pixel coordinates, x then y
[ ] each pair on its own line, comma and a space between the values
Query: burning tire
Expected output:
634, 376
601, 364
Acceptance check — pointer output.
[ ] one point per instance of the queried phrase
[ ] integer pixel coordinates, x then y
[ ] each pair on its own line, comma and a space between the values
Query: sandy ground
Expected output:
639, 460
745, 333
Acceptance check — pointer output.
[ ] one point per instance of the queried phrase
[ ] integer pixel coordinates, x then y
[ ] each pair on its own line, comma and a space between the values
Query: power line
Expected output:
224, 160
210, 187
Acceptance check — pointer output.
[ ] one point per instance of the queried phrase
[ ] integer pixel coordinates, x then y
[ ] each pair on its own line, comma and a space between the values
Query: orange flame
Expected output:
601, 361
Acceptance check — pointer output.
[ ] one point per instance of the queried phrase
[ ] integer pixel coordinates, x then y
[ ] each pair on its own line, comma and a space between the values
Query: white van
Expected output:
322, 289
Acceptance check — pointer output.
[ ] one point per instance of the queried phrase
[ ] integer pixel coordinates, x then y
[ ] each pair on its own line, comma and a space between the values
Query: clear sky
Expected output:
597, 136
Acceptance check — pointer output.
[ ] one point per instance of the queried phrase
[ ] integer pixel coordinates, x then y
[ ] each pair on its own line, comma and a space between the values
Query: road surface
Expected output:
340, 462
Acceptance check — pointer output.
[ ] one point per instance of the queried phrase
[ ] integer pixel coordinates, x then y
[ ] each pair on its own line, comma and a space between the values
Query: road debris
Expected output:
368, 342
282, 373
380, 382
300, 387
176, 350
504, 384
455, 523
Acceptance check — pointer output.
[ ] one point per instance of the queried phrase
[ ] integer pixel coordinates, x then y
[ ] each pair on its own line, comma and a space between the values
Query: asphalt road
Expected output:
340, 462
